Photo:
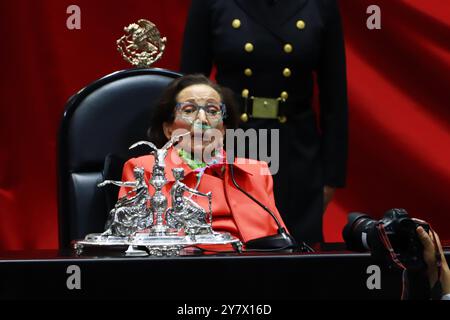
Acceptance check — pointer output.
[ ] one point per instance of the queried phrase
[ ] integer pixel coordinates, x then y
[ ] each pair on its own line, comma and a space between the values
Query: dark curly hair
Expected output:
164, 111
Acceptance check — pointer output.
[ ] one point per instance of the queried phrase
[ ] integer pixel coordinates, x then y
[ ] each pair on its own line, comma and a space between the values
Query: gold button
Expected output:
248, 72
282, 119
244, 117
245, 93
248, 47
284, 95
287, 48
286, 72
236, 23
301, 24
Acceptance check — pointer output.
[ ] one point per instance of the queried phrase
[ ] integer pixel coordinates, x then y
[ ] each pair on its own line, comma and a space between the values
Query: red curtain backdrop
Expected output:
398, 86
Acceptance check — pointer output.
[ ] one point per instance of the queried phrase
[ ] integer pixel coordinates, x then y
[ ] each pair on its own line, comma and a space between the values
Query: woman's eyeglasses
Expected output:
213, 111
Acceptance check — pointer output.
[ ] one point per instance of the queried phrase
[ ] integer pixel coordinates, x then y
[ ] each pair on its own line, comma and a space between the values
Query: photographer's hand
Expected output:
429, 255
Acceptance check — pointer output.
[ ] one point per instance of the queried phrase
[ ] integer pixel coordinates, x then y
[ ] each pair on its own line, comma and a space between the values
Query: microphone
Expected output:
279, 241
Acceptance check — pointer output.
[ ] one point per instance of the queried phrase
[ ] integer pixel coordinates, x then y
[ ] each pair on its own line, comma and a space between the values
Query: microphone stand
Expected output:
279, 241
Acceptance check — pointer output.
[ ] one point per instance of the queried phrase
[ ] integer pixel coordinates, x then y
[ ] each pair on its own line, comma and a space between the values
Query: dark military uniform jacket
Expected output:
276, 49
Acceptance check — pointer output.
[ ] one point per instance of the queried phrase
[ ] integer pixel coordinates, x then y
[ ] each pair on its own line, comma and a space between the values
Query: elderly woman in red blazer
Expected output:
194, 104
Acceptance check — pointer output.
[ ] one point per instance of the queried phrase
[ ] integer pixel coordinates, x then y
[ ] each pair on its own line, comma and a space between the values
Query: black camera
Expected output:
396, 230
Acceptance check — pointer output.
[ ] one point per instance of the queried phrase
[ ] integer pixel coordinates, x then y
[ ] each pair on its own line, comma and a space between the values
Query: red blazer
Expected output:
232, 210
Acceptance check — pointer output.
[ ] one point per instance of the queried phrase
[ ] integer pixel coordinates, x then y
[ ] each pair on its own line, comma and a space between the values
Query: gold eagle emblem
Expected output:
142, 44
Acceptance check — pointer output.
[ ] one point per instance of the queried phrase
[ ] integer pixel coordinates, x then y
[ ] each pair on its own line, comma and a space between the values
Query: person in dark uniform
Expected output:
267, 52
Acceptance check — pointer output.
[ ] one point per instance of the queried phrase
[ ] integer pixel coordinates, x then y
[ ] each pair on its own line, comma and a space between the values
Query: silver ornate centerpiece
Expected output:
143, 224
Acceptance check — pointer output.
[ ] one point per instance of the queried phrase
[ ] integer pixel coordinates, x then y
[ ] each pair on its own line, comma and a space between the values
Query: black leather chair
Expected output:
105, 117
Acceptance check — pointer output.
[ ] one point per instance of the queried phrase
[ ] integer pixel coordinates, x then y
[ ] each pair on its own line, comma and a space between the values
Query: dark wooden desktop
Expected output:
331, 273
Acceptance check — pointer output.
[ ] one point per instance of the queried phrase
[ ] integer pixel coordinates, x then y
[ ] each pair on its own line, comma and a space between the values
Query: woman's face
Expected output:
198, 112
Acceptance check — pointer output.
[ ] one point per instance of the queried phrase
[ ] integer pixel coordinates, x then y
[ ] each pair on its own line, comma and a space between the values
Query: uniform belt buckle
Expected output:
265, 108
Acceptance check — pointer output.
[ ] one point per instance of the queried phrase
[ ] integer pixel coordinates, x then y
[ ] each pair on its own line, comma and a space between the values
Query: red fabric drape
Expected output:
398, 84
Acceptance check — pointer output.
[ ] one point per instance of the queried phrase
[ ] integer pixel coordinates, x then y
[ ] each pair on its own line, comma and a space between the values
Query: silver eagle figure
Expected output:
158, 181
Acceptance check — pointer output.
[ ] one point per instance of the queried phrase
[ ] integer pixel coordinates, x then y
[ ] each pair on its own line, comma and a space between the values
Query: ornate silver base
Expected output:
155, 245
163, 230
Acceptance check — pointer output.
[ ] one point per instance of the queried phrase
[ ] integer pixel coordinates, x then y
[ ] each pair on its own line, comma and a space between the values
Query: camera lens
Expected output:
358, 231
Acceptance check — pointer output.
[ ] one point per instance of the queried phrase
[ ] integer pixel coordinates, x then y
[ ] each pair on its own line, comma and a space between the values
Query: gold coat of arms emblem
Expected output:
142, 44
